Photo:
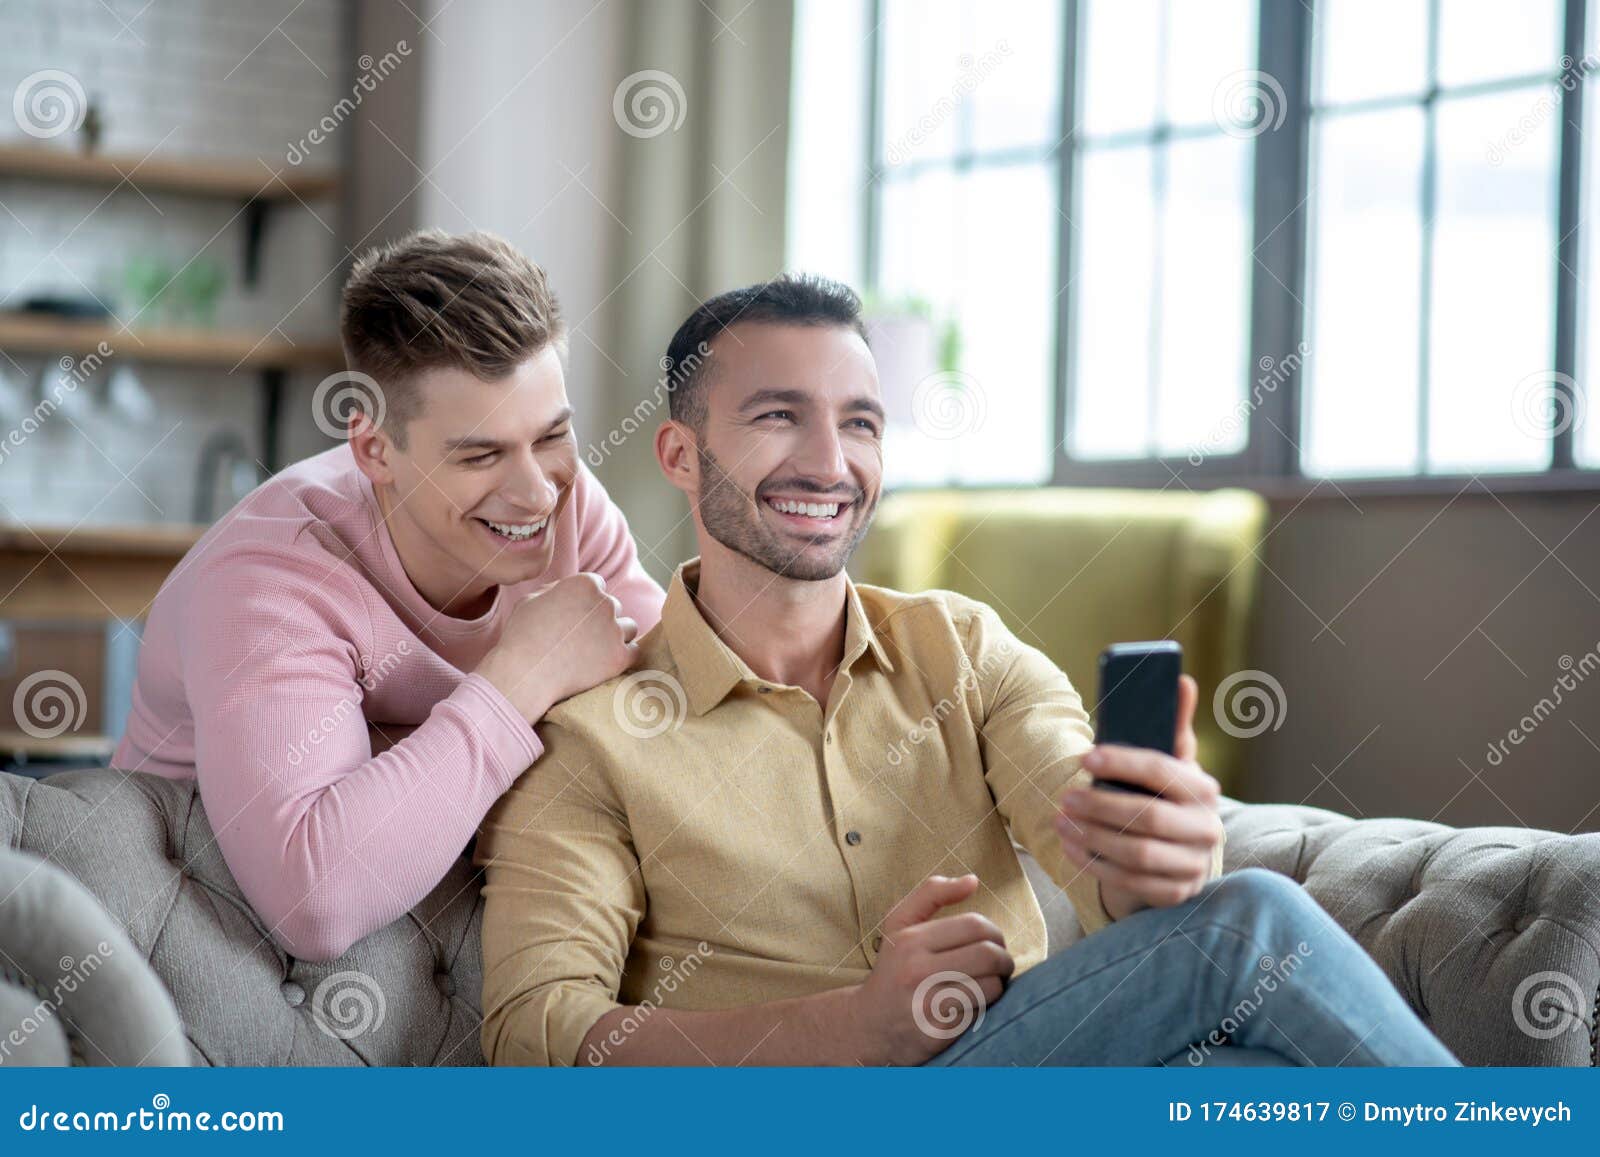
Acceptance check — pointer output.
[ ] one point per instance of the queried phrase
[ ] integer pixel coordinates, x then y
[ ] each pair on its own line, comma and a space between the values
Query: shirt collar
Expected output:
710, 669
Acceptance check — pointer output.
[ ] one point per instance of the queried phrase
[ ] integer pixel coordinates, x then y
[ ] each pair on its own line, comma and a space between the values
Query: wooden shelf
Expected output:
70, 746
170, 540
23, 333
246, 180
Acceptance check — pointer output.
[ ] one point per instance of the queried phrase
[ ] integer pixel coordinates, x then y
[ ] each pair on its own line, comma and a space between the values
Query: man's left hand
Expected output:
1147, 851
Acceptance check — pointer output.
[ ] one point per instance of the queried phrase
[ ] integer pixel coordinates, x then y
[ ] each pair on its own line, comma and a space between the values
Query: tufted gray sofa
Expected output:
1492, 934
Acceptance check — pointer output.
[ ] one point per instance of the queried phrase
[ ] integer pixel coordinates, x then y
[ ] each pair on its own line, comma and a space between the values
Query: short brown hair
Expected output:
435, 300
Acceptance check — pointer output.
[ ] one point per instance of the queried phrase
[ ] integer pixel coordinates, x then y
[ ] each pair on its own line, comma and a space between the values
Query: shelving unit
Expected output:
260, 188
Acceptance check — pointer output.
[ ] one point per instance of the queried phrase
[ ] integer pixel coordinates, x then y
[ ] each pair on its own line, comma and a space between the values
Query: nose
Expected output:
820, 457
533, 486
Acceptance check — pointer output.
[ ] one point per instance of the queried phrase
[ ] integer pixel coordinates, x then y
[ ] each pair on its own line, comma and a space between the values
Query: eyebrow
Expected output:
476, 442
801, 398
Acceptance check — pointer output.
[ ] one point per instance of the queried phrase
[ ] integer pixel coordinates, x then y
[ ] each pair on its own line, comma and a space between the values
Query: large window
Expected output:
1147, 240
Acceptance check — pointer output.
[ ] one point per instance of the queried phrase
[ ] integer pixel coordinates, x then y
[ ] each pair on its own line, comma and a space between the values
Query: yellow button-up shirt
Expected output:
696, 837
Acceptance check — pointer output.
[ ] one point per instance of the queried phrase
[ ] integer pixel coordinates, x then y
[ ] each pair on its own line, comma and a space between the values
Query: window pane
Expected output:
1364, 323
1583, 421
1015, 74
1205, 297
1492, 39
987, 417
1208, 46
1121, 84
1114, 239
1493, 284
1370, 48
922, 45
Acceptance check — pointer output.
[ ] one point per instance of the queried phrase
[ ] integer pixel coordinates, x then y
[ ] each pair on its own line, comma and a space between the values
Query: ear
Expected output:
678, 455
373, 449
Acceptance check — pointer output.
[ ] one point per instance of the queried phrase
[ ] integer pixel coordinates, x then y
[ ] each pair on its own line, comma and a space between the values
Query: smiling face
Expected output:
473, 497
788, 462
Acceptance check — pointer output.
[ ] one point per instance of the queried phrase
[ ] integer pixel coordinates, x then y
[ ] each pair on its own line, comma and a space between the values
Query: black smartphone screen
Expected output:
1138, 703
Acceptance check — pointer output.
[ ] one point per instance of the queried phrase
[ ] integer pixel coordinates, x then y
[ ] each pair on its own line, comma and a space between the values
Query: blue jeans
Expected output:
1250, 971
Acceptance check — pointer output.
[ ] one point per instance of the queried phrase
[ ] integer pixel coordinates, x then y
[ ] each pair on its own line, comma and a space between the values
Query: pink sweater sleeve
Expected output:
327, 841
607, 549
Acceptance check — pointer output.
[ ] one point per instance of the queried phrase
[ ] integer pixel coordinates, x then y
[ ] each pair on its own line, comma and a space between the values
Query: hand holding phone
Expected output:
1138, 701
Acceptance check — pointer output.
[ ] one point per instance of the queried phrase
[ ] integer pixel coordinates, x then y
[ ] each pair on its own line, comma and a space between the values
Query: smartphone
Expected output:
1138, 703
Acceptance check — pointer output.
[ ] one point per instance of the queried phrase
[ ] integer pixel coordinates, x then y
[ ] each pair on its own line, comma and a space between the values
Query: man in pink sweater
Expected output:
351, 661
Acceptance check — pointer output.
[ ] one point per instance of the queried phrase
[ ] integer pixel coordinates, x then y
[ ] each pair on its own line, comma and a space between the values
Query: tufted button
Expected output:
445, 983
293, 995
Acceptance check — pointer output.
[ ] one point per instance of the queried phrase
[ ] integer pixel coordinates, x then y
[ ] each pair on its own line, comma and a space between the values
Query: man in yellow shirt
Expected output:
786, 837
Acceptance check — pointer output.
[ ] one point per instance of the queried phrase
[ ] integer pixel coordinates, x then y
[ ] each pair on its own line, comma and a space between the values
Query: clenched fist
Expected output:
565, 639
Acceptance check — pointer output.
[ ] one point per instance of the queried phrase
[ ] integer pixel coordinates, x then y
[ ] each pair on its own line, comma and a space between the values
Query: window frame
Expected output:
1280, 232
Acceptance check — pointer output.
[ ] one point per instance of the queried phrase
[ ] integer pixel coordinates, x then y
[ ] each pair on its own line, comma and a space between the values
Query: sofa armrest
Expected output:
73, 988
1491, 934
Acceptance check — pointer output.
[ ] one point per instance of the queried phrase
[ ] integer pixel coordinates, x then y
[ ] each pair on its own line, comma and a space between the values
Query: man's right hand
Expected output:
900, 1014
558, 642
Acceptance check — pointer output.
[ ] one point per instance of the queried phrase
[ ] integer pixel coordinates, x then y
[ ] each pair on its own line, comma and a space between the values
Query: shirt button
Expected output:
828, 738
877, 943
764, 690
852, 837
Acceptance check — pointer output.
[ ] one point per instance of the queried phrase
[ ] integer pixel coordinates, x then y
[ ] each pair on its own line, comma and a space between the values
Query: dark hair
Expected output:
433, 299
790, 299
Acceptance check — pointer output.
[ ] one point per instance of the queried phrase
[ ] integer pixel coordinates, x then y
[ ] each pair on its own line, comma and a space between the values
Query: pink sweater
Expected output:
288, 650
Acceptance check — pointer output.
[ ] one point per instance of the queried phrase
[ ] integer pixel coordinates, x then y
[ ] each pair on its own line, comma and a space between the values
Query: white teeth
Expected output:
809, 509
514, 530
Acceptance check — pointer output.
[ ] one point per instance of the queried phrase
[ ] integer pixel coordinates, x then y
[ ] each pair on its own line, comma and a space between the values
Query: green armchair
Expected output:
1073, 570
